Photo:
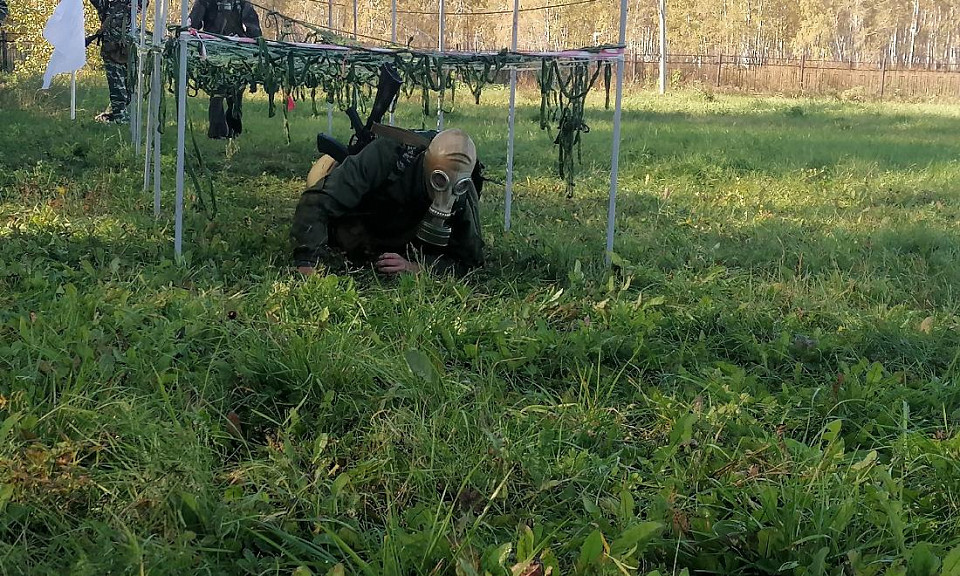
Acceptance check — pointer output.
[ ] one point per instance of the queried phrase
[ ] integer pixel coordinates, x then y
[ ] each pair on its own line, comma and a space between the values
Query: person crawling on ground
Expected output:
393, 205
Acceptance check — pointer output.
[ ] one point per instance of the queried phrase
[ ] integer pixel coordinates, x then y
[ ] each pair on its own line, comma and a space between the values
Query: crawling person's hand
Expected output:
392, 263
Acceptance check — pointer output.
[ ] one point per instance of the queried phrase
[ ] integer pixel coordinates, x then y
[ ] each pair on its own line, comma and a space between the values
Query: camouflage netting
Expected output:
344, 73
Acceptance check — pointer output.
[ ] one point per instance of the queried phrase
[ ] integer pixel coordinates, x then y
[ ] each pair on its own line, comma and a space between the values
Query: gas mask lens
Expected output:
463, 186
439, 180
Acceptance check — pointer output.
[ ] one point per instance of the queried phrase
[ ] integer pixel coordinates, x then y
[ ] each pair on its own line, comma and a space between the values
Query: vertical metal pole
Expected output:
73, 95
441, 27
330, 15
393, 40
133, 34
181, 133
615, 163
152, 104
440, 45
148, 152
354, 19
393, 20
330, 104
157, 168
508, 197
137, 116
157, 71
663, 46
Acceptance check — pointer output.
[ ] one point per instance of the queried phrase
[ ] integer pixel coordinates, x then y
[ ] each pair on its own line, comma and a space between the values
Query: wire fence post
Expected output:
512, 116
883, 75
803, 69
719, 67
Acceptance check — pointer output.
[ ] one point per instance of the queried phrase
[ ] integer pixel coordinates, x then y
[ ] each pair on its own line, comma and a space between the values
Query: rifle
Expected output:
91, 38
387, 89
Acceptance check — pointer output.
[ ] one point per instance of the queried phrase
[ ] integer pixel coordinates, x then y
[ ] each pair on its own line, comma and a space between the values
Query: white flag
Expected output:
64, 30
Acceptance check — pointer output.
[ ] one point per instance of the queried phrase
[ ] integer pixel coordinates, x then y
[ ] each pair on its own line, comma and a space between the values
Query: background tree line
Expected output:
905, 33
908, 33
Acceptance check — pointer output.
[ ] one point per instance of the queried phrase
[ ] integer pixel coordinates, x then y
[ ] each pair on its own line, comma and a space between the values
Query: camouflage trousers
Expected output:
117, 85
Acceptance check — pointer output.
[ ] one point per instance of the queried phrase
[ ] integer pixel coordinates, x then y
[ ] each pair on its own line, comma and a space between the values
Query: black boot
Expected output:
235, 114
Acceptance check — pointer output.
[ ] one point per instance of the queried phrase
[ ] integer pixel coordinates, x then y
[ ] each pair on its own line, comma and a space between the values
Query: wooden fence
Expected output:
800, 77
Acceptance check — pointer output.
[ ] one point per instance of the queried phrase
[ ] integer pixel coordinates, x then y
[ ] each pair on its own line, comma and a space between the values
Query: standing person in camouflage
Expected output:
227, 18
114, 49
393, 205
3, 38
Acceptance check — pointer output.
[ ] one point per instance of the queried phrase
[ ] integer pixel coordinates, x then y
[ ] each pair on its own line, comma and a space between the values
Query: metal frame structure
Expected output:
160, 16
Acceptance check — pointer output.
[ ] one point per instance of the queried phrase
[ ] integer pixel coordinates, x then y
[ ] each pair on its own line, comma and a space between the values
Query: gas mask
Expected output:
224, 6
447, 165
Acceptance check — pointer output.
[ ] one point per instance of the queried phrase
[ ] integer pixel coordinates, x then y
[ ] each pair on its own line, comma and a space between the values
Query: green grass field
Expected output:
765, 383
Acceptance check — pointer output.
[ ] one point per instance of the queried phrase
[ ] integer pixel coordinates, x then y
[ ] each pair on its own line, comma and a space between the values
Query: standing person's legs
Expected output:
218, 121
116, 73
235, 113
114, 51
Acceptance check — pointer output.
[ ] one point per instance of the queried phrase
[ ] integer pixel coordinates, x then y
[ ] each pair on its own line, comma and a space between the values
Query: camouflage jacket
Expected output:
226, 17
373, 203
114, 18
114, 28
